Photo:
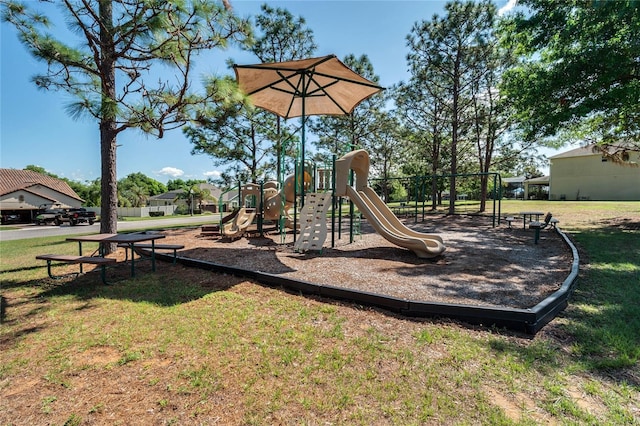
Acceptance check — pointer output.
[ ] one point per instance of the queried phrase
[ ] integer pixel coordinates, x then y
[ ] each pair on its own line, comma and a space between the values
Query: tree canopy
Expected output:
450, 58
579, 74
128, 64
136, 188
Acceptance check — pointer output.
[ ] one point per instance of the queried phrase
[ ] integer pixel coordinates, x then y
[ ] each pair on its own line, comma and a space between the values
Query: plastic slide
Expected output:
382, 223
378, 214
239, 224
393, 219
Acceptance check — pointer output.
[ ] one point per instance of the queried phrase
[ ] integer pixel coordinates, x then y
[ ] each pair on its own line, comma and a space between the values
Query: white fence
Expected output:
139, 211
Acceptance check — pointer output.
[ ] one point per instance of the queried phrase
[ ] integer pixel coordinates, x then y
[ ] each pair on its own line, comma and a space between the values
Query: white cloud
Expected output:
171, 171
507, 7
213, 174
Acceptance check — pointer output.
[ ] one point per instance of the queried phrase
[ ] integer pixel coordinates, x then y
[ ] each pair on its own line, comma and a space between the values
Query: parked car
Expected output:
10, 218
81, 215
50, 217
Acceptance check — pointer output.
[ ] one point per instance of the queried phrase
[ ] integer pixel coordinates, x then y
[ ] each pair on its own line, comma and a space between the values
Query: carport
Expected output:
537, 188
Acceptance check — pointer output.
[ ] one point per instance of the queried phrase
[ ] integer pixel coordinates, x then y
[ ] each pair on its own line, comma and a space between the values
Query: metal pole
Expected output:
261, 209
302, 152
333, 201
295, 199
495, 193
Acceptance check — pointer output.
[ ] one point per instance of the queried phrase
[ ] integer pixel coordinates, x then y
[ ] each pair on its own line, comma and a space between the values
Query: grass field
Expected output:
217, 349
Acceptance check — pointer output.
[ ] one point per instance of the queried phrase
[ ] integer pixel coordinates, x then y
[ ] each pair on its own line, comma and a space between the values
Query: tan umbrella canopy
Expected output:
314, 86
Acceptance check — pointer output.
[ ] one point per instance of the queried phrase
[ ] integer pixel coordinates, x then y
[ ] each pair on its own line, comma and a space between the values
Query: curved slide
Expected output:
387, 224
239, 224
393, 219
377, 212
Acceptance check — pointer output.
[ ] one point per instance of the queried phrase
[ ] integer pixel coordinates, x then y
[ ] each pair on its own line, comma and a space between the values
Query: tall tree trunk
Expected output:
454, 160
454, 131
109, 188
108, 129
435, 160
484, 184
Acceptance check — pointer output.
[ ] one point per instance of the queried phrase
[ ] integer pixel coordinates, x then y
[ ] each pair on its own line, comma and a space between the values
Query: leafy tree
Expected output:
255, 144
133, 196
492, 114
240, 140
174, 184
579, 77
194, 194
385, 150
40, 170
91, 194
426, 132
342, 133
281, 37
136, 188
116, 73
448, 53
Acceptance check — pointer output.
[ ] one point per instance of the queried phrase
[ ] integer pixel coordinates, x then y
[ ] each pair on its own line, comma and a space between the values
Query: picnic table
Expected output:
531, 215
130, 239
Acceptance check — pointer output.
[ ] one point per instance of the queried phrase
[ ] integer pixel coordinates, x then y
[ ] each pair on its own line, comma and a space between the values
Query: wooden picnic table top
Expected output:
532, 213
130, 238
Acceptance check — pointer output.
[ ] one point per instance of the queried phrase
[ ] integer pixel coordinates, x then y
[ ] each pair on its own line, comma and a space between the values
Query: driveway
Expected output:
33, 231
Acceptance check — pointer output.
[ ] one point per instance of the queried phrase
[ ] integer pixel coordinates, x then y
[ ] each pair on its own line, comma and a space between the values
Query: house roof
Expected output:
538, 180
213, 190
585, 151
517, 179
171, 195
12, 180
582, 151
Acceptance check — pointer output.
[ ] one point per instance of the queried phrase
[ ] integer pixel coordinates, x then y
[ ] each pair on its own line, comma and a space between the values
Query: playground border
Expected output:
529, 320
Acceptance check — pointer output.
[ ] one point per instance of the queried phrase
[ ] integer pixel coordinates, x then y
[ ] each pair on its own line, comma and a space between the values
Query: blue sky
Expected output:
36, 129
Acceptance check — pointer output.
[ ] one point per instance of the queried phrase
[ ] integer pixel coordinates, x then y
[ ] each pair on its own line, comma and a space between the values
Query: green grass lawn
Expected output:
192, 347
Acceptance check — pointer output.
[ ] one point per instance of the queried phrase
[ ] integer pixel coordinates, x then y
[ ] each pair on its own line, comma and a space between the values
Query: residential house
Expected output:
585, 174
176, 198
24, 192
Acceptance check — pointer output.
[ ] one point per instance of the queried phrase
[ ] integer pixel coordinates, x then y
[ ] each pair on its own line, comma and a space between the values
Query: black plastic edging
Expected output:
527, 320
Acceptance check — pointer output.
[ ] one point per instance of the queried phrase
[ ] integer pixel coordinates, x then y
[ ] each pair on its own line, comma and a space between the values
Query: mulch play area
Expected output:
489, 275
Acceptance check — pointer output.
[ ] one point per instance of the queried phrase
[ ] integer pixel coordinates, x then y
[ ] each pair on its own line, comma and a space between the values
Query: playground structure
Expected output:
376, 211
276, 206
311, 222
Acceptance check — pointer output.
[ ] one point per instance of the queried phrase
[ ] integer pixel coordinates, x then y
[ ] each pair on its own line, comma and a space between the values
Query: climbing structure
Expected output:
313, 222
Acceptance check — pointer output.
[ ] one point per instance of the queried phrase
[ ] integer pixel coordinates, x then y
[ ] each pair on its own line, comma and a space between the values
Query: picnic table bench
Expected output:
531, 214
174, 247
509, 220
128, 239
537, 226
71, 259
